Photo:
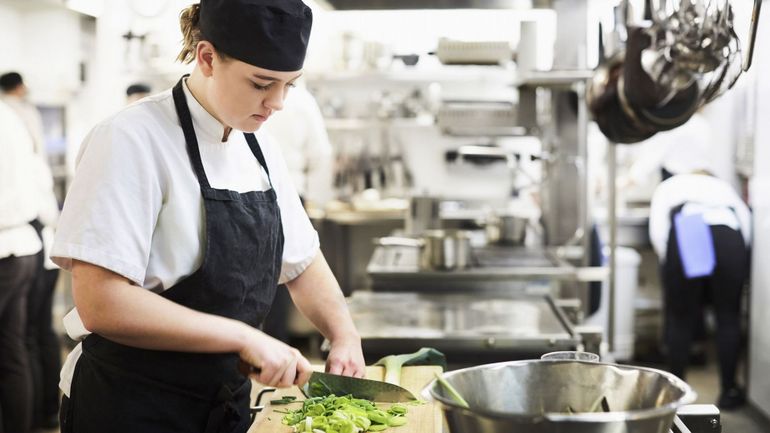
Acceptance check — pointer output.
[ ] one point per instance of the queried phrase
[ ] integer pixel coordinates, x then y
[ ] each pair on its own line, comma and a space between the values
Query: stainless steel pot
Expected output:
506, 229
558, 396
439, 249
446, 250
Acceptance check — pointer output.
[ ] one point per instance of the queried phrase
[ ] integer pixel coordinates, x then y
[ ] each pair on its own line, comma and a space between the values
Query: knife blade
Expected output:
323, 384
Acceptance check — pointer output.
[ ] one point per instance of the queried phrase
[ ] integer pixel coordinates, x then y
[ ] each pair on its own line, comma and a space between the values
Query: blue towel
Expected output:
696, 245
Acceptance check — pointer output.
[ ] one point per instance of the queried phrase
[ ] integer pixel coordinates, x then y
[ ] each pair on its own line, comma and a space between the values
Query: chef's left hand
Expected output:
346, 358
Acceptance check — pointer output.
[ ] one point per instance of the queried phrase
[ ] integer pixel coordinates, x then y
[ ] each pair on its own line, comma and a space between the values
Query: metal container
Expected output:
506, 229
439, 249
558, 396
446, 250
424, 214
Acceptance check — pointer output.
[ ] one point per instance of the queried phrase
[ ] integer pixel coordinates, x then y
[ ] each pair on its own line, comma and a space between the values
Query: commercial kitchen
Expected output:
523, 215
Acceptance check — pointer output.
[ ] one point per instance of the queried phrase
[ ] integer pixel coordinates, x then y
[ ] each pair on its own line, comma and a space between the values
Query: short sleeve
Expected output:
300, 238
112, 206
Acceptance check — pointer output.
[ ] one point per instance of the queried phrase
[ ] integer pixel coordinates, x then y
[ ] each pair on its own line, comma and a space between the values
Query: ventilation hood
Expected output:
433, 4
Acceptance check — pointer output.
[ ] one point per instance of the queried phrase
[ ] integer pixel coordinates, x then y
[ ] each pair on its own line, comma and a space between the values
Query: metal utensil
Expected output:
323, 384
532, 397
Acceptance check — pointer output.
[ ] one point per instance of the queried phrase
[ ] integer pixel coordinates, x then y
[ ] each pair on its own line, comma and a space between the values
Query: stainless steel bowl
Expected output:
560, 396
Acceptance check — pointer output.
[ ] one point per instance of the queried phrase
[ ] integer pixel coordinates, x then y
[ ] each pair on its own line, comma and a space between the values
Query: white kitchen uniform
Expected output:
680, 150
715, 199
300, 130
20, 170
135, 206
48, 213
31, 118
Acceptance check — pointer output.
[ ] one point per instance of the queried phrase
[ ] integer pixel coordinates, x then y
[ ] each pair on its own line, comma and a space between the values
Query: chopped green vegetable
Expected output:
452, 391
332, 414
424, 356
286, 399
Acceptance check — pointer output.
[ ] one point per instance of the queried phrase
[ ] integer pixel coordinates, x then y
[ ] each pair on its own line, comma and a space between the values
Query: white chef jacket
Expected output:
31, 118
135, 205
300, 131
716, 200
48, 213
680, 150
19, 199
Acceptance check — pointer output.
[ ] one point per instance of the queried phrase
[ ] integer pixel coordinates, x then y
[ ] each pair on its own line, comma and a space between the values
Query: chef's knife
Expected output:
323, 384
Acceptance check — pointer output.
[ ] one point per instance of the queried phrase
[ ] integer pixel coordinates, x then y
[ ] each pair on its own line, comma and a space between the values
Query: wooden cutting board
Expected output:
426, 418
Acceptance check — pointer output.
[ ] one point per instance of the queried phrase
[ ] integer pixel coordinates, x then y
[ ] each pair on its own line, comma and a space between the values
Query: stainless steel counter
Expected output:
396, 268
470, 323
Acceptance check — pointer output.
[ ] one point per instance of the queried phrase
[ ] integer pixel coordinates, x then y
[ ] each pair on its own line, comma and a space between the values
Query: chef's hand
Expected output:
274, 363
346, 358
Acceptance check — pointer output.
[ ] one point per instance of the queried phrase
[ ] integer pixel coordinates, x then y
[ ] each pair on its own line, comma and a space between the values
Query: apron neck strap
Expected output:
185, 118
257, 151
183, 111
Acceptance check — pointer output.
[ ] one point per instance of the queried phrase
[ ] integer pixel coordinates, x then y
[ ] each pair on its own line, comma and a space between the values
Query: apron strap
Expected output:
183, 111
185, 118
257, 151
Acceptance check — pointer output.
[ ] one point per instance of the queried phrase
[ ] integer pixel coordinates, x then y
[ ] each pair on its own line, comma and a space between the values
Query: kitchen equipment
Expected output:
438, 249
424, 214
466, 327
506, 229
424, 418
454, 52
322, 384
686, 56
483, 118
550, 396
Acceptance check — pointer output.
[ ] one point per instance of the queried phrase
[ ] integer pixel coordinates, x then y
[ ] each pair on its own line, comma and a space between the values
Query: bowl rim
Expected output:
688, 397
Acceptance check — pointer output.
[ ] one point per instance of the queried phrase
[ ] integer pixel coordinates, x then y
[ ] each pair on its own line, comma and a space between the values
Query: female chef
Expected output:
178, 227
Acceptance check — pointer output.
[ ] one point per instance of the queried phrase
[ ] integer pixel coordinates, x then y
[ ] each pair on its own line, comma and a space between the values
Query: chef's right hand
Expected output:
274, 363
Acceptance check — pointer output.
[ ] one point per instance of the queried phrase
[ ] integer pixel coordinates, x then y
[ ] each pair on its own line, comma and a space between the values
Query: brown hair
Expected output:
191, 32
189, 20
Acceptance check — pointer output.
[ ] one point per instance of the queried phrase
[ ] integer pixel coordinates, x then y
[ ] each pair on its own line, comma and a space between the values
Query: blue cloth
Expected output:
696, 245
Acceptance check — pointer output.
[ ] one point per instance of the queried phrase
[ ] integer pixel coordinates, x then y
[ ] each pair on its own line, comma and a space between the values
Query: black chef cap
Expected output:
270, 34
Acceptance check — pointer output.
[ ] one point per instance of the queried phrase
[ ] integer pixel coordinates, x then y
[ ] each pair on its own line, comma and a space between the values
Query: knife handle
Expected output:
248, 369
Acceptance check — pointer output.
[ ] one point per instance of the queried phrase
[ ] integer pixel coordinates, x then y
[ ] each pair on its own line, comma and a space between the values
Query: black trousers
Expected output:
684, 300
43, 346
17, 275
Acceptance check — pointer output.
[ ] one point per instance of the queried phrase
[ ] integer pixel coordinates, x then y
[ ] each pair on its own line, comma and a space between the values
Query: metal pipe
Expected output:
582, 166
752, 35
613, 221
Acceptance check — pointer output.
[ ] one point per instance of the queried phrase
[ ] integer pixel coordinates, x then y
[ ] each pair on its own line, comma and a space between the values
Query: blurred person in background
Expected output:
300, 131
41, 340
677, 151
14, 93
701, 231
20, 248
137, 91
668, 153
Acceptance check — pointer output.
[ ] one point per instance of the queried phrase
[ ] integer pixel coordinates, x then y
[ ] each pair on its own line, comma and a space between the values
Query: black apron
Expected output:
122, 389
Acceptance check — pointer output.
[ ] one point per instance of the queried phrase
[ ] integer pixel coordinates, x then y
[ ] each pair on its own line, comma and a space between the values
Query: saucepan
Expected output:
560, 395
